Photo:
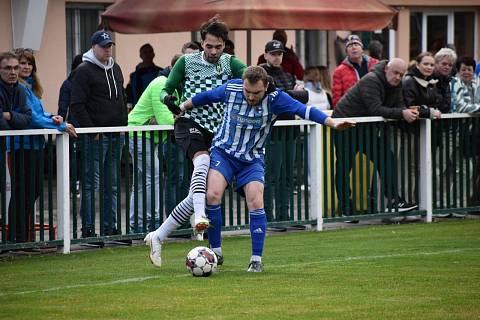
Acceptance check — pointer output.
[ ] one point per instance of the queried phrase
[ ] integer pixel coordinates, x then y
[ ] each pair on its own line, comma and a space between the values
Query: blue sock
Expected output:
214, 213
258, 227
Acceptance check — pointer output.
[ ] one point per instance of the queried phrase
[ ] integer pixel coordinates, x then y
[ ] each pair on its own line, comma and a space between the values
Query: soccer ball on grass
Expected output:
201, 262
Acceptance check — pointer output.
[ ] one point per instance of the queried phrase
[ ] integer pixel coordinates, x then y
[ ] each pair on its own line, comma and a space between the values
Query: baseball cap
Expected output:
353, 38
273, 46
102, 38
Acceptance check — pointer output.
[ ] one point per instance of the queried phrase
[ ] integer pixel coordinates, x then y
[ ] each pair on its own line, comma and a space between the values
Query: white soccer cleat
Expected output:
201, 224
155, 249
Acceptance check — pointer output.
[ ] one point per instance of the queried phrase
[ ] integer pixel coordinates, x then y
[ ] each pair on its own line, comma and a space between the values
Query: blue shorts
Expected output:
244, 171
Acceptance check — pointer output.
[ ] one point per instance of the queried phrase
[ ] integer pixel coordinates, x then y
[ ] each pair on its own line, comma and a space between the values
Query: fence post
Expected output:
426, 168
315, 159
63, 190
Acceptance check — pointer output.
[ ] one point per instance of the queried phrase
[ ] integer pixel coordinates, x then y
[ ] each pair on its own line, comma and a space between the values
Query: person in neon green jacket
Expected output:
150, 110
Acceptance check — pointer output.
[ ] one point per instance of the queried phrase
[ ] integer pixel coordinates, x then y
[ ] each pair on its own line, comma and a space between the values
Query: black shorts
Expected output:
191, 137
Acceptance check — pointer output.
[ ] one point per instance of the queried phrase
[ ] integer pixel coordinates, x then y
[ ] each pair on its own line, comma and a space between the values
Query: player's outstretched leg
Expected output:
214, 213
258, 229
198, 186
180, 214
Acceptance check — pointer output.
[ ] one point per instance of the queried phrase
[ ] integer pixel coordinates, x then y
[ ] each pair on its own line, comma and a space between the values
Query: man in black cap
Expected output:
273, 55
98, 101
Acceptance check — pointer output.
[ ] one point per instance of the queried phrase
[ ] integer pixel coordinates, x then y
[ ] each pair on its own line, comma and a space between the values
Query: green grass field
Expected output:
413, 271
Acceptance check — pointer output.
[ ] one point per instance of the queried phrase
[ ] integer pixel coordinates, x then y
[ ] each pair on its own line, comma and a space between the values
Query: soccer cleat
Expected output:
201, 223
219, 259
255, 266
155, 249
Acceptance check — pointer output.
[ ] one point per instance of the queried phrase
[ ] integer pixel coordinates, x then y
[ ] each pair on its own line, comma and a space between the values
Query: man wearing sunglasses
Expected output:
15, 112
97, 100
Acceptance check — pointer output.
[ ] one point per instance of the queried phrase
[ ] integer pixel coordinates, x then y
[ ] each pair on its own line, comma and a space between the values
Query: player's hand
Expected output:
169, 101
342, 125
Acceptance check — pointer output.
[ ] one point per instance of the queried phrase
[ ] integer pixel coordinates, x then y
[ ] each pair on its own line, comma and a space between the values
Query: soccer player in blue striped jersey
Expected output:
238, 148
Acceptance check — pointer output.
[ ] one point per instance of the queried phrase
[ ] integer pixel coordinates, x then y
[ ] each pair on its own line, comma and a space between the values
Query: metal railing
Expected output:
313, 175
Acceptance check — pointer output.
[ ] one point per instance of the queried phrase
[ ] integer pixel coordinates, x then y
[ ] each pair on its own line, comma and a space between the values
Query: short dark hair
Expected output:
468, 61
215, 27
7, 56
146, 46
281, 36
254, 74
375, 48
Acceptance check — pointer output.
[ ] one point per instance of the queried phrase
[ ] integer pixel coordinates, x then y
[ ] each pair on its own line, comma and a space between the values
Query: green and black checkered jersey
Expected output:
199, 75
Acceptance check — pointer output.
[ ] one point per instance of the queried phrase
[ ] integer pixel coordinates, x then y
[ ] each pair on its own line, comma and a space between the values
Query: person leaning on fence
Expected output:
238, 149
150, 110
444, 61
199, 71
419, 88
98, 101
16, 114
379, 93
29, 150
466, 99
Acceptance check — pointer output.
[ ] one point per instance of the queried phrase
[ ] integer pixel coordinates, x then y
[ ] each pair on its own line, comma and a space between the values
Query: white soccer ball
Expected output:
201, 262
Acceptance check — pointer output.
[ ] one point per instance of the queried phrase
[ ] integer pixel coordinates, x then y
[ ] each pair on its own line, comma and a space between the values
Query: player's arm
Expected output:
175, 77
283, 103
204, 98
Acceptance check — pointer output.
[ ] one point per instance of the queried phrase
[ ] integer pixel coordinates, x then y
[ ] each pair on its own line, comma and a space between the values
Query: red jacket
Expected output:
345, 77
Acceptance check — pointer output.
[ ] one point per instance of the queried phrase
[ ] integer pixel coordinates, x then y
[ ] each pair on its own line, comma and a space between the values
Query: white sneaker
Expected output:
201, 223
155, 249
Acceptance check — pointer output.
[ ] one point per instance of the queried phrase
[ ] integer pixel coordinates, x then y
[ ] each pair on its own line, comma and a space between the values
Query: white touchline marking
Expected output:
98, 284
344, 259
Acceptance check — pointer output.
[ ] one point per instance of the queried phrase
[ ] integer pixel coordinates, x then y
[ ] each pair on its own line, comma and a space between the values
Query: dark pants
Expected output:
379, 152
24, 169
279, 178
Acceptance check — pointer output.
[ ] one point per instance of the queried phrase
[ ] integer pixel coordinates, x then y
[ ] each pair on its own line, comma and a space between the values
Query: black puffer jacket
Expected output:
372, 96
422, 91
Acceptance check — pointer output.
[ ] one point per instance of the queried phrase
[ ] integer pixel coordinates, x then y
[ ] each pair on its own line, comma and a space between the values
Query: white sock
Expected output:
256, 258
218, 251
166, 228
198, 184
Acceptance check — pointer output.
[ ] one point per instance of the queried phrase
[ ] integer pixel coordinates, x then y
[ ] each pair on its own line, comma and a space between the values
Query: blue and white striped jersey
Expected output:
244, 128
